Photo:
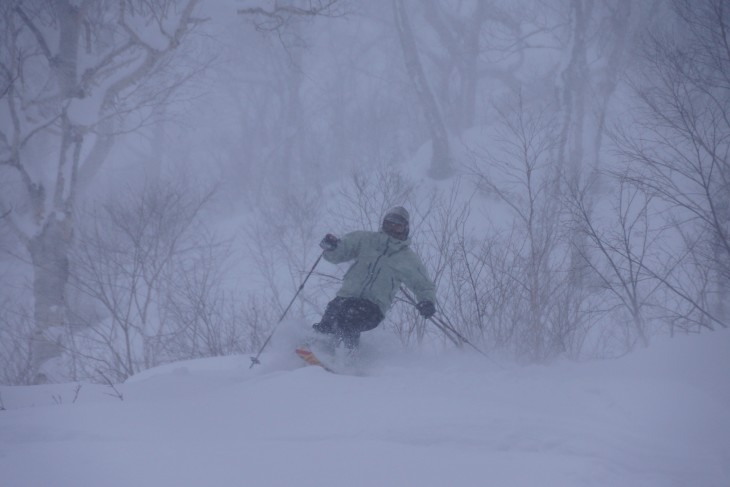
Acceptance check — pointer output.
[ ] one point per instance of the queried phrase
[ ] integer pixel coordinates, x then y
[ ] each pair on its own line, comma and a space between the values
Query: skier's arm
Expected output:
347, 249
417, 280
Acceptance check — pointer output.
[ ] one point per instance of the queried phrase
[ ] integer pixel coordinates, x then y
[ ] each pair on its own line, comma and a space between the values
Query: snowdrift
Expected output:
659, 417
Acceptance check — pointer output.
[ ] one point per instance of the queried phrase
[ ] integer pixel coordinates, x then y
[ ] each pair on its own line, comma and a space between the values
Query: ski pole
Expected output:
446, 328
255, 360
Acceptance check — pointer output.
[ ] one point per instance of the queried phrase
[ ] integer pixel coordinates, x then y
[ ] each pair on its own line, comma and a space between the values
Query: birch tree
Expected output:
74, 77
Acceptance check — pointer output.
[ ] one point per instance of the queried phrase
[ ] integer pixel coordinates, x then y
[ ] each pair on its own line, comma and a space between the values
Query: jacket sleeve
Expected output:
418, 281
348, 248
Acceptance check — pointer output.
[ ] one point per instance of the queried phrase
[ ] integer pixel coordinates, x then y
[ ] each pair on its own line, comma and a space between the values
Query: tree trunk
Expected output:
292, 113
461, 41
46, 41
49, 254
441, 167
574, 86
468, 67
571, 154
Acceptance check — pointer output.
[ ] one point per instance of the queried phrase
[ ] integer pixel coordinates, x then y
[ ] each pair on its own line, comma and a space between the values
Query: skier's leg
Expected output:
327, 329
331, 316
351, 341
357, 315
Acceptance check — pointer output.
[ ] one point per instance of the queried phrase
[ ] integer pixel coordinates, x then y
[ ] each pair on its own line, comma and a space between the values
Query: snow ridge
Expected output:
659, 417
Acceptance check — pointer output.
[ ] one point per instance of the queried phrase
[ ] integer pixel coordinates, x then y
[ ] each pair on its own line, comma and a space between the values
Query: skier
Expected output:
382, 261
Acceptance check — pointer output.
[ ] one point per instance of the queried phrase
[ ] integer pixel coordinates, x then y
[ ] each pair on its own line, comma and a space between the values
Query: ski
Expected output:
310, 358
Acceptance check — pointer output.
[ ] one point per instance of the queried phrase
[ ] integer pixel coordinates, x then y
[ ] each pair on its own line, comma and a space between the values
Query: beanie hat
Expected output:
397, 214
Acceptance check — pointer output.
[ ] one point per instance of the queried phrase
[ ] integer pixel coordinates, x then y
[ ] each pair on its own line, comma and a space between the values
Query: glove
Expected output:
329, 242
426, 308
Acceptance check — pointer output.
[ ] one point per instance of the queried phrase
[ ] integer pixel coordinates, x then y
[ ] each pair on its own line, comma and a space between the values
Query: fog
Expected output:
167, 169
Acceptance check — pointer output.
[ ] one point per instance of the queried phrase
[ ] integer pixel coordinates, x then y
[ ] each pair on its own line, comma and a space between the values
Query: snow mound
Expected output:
659, 417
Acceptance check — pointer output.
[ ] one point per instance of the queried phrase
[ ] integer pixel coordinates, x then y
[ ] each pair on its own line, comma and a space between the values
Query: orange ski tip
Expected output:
310, 358
307, 356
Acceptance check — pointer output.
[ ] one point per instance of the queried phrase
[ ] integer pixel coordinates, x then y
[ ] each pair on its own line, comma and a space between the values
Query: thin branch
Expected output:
77, 390
38, 35
278, 17
111, 384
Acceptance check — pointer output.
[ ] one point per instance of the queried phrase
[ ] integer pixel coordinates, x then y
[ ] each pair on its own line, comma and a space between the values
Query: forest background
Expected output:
168, 167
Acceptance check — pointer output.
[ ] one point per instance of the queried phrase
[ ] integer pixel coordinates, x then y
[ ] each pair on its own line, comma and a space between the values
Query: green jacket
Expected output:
381, 264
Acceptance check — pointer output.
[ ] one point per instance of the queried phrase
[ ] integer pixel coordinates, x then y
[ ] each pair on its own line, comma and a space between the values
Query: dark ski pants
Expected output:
346, 318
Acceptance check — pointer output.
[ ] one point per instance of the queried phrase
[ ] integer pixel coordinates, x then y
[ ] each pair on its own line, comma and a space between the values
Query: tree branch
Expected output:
38, 35
278, 17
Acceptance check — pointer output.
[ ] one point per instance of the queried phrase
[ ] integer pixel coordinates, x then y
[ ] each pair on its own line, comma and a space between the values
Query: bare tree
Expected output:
452, 250
152, 285
575, 78
543, 314
441, 158
75, 75
282, 246
281, 15
681, 155
620, 247
206, 314
460, 35
124, 261
16, 327
286, 21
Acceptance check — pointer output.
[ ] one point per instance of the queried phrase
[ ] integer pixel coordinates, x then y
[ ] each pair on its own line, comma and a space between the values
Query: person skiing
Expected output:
382, 261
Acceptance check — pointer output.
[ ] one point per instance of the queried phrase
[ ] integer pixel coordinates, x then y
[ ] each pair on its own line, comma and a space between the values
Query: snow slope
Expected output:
659, 417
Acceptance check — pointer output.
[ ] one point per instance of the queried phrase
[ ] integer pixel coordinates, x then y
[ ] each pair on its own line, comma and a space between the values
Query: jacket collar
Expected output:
396, 242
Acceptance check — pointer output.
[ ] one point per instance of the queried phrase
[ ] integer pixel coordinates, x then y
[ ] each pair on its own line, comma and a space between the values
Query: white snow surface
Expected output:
657, 417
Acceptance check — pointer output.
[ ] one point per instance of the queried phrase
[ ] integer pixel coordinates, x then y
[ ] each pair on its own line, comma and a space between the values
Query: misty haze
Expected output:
188, 186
